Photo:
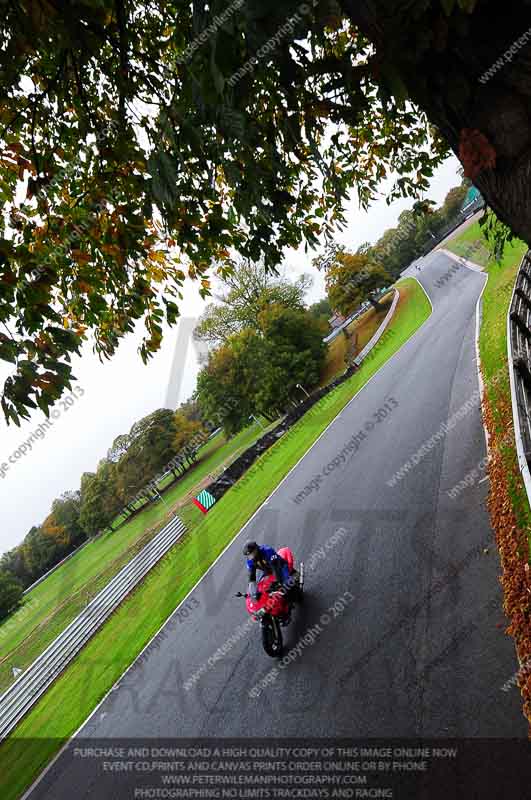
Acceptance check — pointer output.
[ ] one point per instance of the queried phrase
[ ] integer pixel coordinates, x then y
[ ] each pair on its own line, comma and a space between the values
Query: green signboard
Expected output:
473, 194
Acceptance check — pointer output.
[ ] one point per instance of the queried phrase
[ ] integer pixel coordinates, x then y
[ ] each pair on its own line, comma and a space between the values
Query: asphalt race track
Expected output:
420, 649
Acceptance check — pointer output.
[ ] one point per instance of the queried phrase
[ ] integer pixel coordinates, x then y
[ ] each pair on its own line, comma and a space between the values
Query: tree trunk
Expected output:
441, 60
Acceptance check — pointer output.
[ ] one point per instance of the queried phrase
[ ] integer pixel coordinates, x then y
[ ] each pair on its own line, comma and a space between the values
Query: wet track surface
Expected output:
420, 649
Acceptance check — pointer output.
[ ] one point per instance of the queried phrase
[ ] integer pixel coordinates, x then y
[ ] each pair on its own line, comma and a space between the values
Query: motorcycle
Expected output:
272, 609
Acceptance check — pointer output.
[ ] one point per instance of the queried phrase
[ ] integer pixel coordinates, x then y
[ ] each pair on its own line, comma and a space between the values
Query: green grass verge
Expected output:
75, 694
54, 603
460, 245
493, 352
364, 327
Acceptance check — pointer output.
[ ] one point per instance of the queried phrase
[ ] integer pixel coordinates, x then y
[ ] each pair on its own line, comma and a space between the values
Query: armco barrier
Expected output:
38, 677
381, 330
352, 317
519, 353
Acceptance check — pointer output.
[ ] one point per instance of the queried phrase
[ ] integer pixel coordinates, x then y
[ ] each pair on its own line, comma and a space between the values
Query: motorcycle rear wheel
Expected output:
272, 638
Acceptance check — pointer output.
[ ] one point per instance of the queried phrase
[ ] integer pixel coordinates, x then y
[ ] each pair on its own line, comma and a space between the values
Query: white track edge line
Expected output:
479, 315
464, 262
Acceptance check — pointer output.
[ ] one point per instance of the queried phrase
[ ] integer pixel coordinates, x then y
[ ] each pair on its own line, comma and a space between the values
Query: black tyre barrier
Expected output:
236, 470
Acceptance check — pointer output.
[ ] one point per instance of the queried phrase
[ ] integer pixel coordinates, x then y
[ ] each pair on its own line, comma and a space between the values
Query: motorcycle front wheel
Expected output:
272, 638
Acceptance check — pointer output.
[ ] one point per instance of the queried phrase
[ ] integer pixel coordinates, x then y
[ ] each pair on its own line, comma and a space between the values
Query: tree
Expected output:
119, 447
100, 499
321, 310
43, 546
38, 552
295, 356
386, 253
404, 241
140, 455
58, 537
190, 409
65, 511
157, 428
398, 246
155, 140
353, 279
46, 544
256, 372
224, 385
14, 563
248, 290
150, 445
185, 430
153, 440
10, 594
416, 230
453, 202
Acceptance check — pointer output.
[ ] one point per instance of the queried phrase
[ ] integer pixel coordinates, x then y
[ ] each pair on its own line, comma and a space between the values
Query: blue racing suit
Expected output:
269, 562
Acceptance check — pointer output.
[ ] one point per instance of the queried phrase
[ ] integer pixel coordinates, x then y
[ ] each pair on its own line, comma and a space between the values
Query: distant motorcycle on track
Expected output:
273, 606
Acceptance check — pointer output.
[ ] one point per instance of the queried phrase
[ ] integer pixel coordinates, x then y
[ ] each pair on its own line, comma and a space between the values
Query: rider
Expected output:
268, 560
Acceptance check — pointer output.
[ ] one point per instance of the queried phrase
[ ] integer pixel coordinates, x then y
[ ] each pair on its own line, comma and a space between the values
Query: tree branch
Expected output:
121, 16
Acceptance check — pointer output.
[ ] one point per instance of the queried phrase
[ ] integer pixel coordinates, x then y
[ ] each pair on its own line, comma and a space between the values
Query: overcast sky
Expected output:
121, 391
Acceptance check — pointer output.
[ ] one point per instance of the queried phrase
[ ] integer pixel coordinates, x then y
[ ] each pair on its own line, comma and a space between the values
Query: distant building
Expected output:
336, 320
472, 202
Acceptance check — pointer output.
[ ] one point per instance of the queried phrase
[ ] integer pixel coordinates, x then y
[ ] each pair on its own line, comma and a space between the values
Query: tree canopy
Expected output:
321, 309
10, 594
416, 231
353, 278
121, 479
47, 543
245, 292
257, 371
142, 143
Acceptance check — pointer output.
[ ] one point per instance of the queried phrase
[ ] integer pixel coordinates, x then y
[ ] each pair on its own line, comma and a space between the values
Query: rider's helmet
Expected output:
250, 549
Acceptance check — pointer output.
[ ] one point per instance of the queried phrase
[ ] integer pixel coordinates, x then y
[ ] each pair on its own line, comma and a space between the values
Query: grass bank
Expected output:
363, 329
75, 694
462, 245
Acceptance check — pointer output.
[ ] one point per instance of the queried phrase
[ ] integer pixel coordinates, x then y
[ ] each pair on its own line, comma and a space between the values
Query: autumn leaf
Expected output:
110, 249
157, 256
81, 257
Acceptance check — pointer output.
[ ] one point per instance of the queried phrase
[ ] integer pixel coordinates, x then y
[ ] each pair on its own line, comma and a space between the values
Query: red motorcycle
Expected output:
272, 608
